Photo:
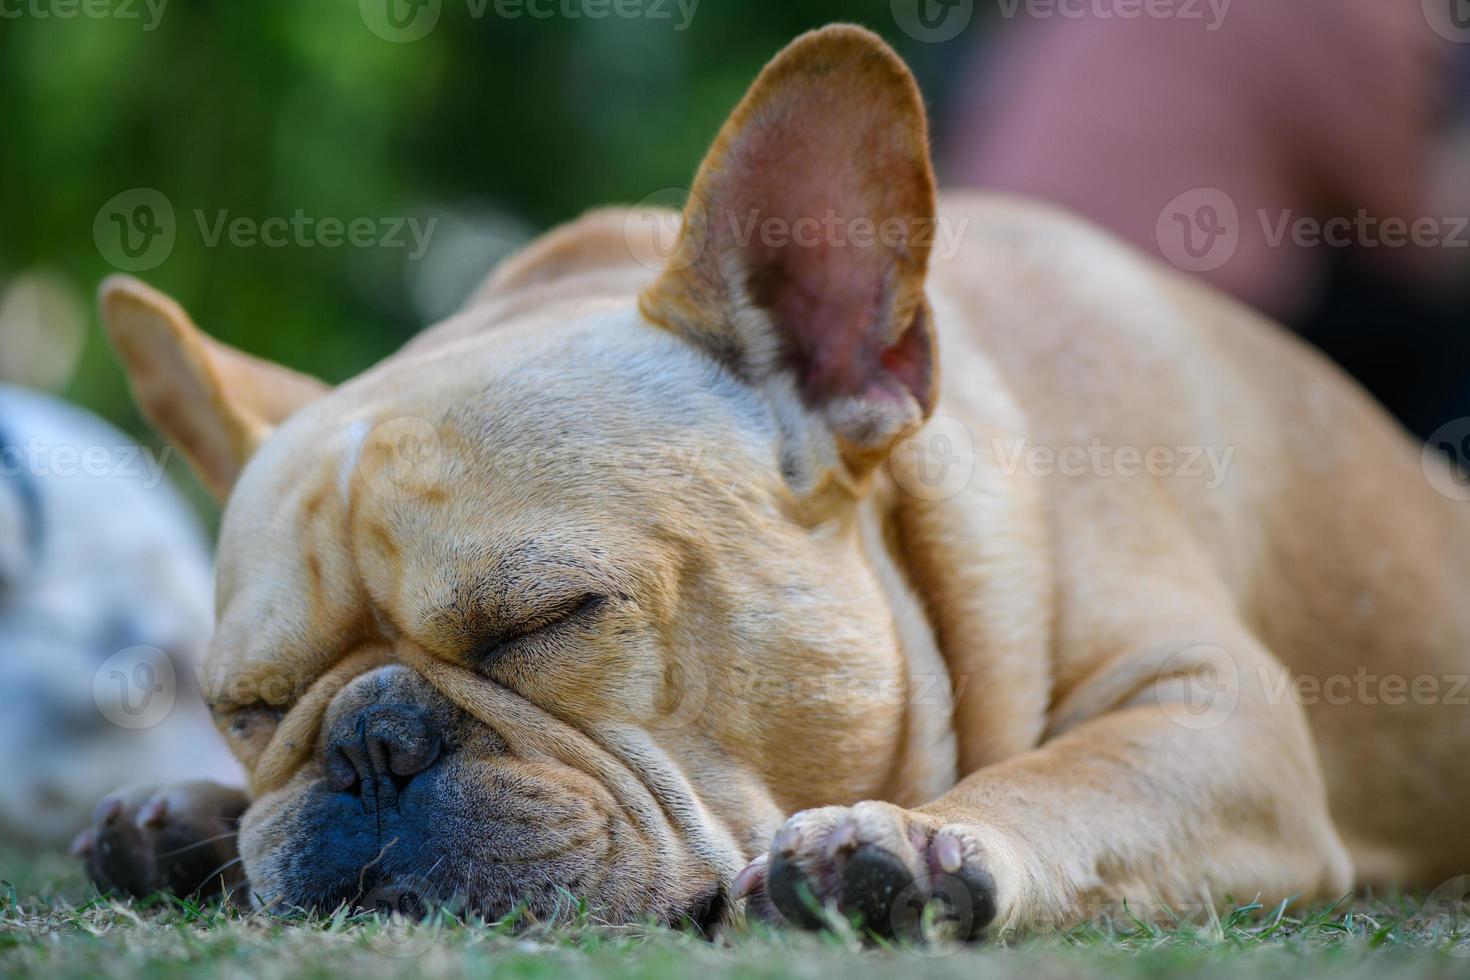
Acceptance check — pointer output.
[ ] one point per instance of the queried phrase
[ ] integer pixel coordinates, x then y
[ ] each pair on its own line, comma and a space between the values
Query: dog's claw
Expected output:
787, 841
83, 843
751, 877
107, 810
947, 852
154, 813
844, 839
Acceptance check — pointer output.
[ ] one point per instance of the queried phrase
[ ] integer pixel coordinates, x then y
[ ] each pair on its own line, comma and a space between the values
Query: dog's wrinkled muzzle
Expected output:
400, 775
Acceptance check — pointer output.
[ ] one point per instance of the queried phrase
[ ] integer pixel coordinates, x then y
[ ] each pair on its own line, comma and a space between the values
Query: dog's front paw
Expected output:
178, 839
877, 863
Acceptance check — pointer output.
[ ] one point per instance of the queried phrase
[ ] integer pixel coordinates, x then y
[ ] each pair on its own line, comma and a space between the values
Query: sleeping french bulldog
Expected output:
681, 588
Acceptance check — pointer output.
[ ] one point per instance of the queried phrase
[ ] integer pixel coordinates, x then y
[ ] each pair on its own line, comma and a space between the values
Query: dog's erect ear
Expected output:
214, 403
806, 236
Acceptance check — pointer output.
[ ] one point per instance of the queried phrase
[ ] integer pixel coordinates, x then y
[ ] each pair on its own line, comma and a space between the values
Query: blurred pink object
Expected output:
1292, 108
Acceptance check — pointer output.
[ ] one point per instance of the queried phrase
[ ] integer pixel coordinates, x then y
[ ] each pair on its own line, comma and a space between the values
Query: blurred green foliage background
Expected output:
498, 126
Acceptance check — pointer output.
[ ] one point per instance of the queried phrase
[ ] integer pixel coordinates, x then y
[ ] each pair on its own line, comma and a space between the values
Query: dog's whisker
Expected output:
197, 843
223, 868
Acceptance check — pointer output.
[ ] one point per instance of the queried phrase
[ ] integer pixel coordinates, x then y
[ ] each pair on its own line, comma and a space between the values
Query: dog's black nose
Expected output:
377, 751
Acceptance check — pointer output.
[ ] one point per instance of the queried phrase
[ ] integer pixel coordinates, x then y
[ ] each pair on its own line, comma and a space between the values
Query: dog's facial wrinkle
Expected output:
568, 558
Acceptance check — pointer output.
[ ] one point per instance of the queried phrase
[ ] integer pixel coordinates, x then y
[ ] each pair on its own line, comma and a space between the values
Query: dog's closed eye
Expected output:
503, 640
249, 727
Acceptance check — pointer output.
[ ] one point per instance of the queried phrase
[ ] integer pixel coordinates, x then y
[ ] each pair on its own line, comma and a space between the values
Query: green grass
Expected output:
53, 925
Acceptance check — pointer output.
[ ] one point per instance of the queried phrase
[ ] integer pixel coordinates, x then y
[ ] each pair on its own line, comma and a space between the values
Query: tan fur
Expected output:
214, 402
577, 446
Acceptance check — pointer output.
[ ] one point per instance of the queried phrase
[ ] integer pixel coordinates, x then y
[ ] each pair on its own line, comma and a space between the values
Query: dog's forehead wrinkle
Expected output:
604, 372
290, 561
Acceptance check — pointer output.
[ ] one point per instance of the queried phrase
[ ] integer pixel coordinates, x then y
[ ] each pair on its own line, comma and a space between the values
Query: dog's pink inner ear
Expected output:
816, 207
824, 263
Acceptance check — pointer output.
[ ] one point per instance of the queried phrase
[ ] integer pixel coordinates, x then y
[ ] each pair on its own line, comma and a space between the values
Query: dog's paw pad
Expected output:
872, 881
893, 871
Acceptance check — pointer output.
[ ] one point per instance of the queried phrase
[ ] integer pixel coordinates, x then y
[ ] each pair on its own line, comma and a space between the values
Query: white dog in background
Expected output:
105, 607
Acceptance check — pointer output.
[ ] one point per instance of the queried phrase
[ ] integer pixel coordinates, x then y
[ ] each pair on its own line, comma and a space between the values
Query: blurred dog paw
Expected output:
179, 839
